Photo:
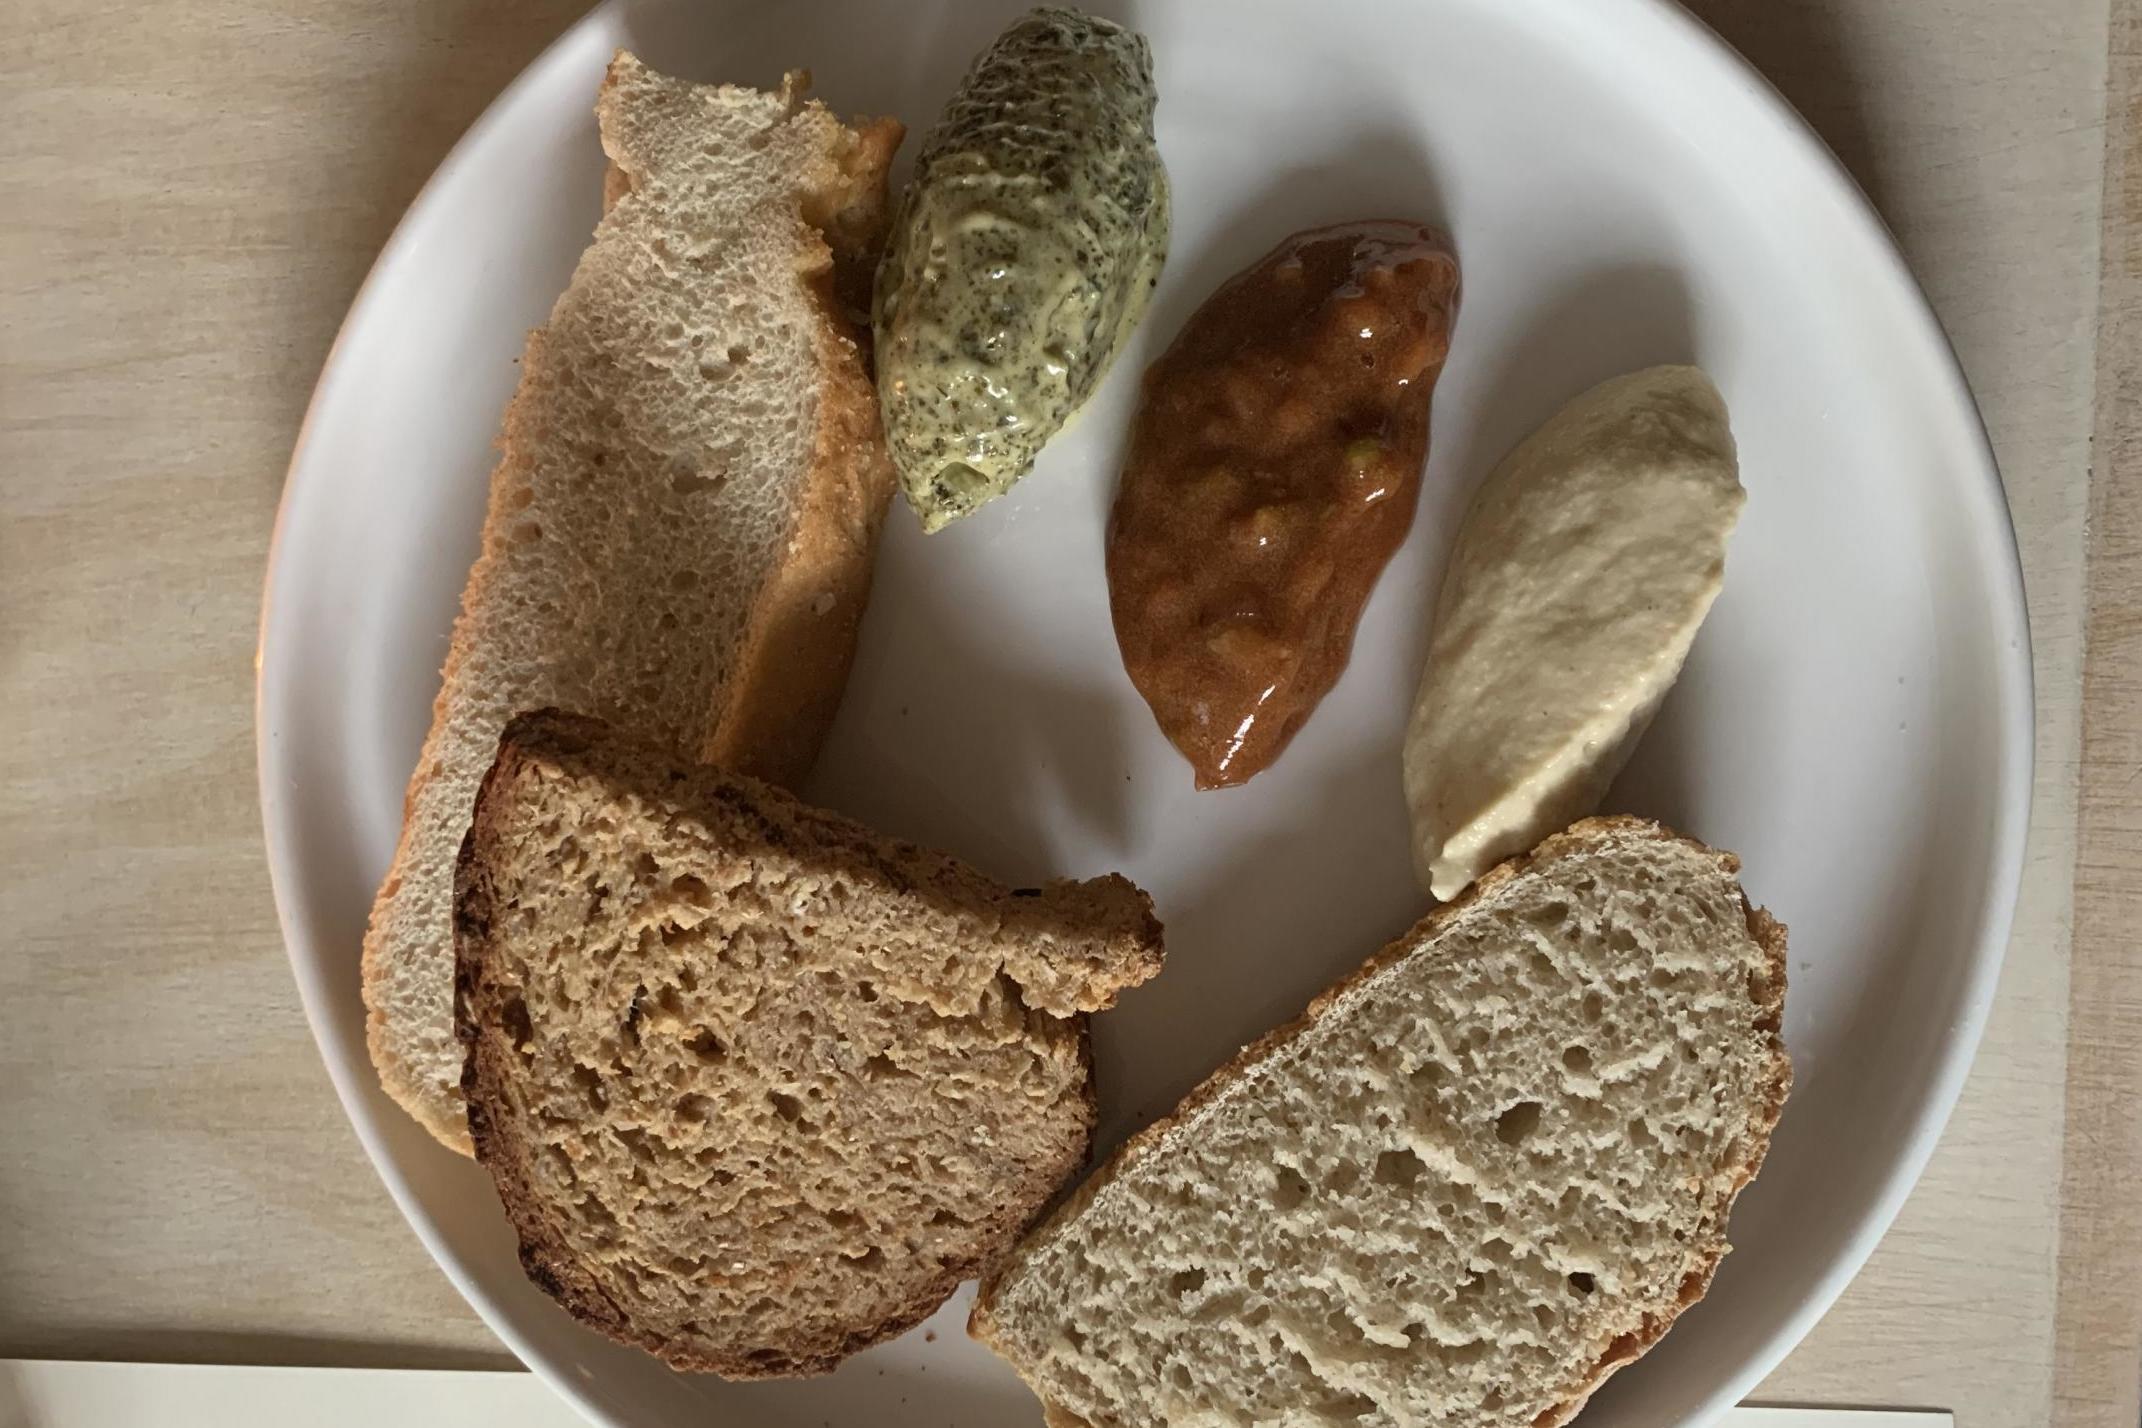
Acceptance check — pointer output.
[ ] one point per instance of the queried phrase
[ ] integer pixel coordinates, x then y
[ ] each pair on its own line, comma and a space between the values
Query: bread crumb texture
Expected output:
1480, 1175
681, 524
757, 1087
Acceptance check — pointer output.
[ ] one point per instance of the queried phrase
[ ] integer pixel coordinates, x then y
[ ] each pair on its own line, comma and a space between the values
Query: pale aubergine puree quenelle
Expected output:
1273, 469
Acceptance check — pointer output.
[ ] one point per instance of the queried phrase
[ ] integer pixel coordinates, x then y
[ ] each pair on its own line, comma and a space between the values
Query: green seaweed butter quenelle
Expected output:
1021, 257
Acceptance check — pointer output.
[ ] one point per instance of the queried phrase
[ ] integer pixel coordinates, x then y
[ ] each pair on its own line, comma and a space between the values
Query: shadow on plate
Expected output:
1807, 52
1387, 174
1303, 907
932, 1377
1609, 321
979, 753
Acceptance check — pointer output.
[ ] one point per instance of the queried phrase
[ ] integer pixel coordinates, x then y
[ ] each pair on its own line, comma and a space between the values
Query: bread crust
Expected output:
792, 659
1587, 836
545, 1251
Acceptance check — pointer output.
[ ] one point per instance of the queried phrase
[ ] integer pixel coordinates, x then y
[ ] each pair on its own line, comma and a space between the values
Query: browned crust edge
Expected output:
792, 661
548, 736
1578, 839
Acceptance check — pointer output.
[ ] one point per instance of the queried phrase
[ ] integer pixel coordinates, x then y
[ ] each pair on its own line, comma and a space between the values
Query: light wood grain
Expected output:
2098, 1362
189, 196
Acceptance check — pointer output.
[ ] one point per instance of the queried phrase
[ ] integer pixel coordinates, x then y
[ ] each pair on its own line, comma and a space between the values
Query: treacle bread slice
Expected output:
758, 1087
686, 507
1478, 1176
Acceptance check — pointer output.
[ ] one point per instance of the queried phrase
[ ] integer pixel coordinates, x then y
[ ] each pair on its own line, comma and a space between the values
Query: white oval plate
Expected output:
1855, 720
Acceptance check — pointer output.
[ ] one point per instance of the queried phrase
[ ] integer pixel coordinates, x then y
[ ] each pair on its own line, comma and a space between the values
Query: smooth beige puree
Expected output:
1586, 563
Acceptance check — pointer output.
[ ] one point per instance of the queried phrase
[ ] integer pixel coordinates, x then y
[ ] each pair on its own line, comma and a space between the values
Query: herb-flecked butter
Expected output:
1022, 255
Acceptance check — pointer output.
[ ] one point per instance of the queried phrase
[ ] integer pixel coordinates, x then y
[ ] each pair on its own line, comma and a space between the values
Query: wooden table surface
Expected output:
189, 196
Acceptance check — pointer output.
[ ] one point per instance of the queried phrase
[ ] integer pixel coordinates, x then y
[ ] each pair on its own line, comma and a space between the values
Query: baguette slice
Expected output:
686, 506
759, 1088
1477, 1177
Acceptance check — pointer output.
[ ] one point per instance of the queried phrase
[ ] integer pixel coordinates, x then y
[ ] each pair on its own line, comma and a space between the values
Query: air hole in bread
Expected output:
513, 1016
1289, 1189
1185, 1282
527, 533
693, 1107
739, 355
705, 1045
590, 1086
1518, 1122
1577, 1059
1548, 914
1594, 1007
691, 483
1581, 1282
787, 1107
881, 1067
692, 890
1399, 1167
866, 991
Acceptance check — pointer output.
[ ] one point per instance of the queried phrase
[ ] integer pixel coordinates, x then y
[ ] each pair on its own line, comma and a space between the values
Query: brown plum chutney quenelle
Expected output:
1273, 469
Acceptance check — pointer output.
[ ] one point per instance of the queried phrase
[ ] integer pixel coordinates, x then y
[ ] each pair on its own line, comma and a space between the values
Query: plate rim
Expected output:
2012, 774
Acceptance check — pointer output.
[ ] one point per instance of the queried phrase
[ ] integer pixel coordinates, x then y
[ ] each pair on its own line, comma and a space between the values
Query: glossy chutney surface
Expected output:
1273, 469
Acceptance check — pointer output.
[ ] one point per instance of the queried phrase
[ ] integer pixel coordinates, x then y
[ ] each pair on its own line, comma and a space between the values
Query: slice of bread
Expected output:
758, 1087
1477, 1177
683, 518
